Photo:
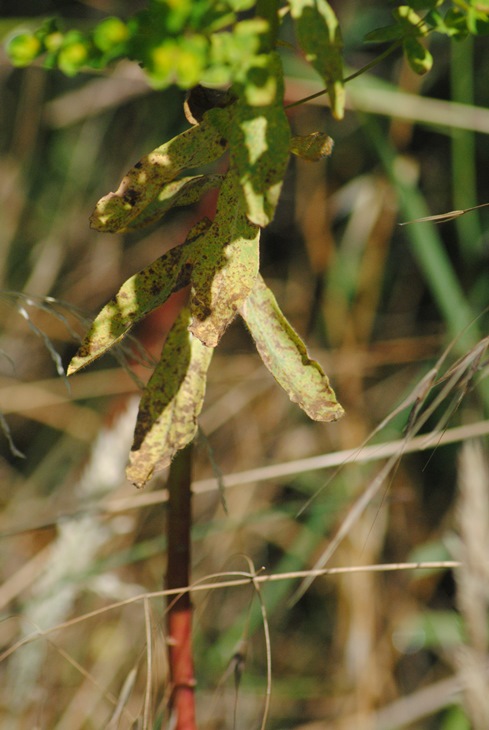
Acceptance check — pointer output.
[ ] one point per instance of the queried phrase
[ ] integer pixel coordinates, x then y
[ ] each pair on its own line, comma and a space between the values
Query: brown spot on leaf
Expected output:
131, 196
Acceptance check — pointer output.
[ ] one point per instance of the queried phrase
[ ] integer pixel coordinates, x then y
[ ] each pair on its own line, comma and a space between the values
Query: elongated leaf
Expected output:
319, 36
384, 34
171, 403
185, 191
197, 146
136, 298
226, 262
259, 139
312, 147
285, 355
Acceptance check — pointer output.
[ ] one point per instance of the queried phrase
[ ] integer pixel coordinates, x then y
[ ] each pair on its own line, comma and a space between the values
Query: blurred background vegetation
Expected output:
377, 303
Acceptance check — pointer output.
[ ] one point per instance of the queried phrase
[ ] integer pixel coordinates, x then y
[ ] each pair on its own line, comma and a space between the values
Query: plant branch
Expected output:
179, 619
389, 51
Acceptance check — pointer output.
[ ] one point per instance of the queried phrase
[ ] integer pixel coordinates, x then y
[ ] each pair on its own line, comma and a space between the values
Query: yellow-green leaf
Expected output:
419, 58
137, 297
143, 183
312, 147
225, 266
259, 138
185, 191
171, 403
319, 36
285, 355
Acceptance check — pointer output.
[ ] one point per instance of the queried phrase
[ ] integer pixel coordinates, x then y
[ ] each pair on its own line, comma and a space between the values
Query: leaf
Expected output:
137, 297
418, 57
185, 191
384, 34
411, 21
143, 183
312, 147
425, 4
226, 262
319, 36
171, 403
259, 137
285, 355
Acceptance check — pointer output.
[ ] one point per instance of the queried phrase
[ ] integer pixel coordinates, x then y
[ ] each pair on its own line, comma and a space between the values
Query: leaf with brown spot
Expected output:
285, 355
137, 297
143, 183
226, 262
259, 140
185, 191
171, 403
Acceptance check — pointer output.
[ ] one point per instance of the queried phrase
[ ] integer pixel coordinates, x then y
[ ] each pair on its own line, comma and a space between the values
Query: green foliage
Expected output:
187, 43
411, 26
319, 36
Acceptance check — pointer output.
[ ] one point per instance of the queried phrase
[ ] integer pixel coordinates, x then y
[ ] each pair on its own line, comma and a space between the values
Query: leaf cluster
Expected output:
218, 261
214, 44
413, 21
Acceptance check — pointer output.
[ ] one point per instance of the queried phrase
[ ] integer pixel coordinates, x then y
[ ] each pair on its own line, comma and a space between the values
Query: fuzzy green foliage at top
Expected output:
186, 42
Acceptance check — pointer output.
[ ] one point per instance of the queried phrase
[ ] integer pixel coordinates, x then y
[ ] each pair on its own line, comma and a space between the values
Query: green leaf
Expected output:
425, 4
285, 355
419, 58
185, 191
137, 297
411, 21
22, 49
319, 36
435, 19
259, 137
110, 32
74, 53
197, 146
171, 403
457, 22
478, 20
312, 147
387, 33
226, 261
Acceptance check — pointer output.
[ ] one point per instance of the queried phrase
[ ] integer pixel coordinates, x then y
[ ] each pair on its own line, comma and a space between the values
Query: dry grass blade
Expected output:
473, 580
122, 701
444, 217
462, 371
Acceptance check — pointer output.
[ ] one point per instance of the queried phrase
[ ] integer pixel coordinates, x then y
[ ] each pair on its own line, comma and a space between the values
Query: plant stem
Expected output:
385, 54
179, 616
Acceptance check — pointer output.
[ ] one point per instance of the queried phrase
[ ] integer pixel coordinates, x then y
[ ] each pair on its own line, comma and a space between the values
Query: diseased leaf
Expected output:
197, 146
259, 137
171, 403
312, 147
285, 355
185, 191
226, 262
137, 297
319, 36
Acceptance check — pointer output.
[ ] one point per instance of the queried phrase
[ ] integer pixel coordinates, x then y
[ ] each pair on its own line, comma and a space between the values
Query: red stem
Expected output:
179, 617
